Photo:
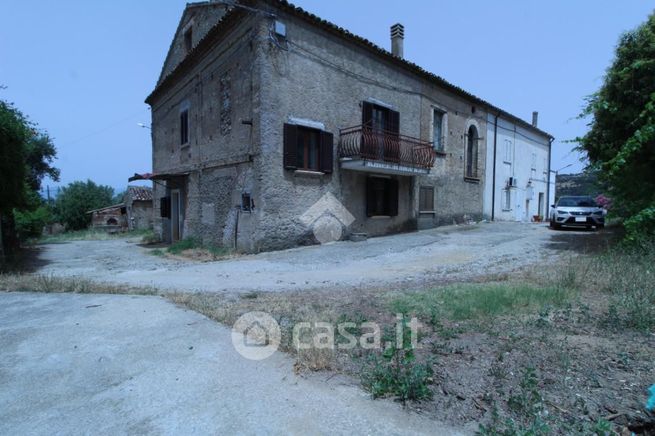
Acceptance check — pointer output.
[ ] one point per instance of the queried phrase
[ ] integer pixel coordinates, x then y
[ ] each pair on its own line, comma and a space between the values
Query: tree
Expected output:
76, 199
26, 157
620, 143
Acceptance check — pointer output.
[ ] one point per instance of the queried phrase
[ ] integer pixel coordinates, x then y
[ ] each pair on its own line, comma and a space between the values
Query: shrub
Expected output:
396, 372
29, 224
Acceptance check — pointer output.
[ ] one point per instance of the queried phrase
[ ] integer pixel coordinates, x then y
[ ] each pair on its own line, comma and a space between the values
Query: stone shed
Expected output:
138, 206
111, 218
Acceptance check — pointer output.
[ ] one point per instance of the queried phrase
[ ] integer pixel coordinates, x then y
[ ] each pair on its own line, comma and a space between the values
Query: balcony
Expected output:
363, 149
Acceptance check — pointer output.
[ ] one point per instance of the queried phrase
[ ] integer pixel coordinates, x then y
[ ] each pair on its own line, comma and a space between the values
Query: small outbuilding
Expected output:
138, 206
110, 218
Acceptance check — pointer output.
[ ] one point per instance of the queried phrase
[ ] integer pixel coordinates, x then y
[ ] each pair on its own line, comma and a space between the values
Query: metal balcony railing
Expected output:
363, 142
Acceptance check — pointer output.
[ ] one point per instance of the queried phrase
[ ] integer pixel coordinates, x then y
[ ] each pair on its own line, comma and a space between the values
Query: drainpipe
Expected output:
550, 147
493, 181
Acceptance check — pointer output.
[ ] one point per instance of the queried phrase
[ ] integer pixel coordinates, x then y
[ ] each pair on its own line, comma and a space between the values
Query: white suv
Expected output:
577, 211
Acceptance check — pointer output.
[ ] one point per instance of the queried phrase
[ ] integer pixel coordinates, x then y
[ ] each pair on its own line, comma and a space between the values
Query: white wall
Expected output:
521, 154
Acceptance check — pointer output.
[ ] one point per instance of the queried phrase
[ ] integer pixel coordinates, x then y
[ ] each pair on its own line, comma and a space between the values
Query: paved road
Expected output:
118, 364
442, 254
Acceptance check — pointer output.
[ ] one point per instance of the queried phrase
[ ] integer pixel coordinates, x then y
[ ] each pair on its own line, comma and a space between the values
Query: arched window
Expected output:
472, 153
112, 222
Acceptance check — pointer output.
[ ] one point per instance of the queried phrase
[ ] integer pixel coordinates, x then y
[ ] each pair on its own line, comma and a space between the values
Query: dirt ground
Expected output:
570, 367
447, 254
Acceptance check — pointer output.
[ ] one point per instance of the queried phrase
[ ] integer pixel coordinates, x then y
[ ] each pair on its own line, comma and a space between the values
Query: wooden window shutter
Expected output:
367, 114
394, 122
165, 207
290, 146
370, 197
393, 197
326, 152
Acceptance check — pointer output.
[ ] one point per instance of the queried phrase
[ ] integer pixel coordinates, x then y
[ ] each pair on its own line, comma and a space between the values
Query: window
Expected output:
247, 204
426, 199
382, 125
307, 149
472, 153
507, 199
437, 130
381, 196
534, 161
188, 39
508, 151
184, 126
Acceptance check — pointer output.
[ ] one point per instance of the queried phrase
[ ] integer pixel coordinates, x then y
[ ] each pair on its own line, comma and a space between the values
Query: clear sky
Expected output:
81, 69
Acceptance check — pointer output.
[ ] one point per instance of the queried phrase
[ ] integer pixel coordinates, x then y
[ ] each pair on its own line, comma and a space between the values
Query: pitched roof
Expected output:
232, 16
143, 193
113, 206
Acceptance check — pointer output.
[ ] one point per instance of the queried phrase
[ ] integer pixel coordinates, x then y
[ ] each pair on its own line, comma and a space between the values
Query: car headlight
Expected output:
562, 212
598, 212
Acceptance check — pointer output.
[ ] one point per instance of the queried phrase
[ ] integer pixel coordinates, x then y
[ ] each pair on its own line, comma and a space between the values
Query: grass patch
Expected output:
463, 302
195, 249
57, 284
627, 275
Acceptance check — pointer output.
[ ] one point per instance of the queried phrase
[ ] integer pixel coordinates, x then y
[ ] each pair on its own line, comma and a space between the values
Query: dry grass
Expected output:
56, 284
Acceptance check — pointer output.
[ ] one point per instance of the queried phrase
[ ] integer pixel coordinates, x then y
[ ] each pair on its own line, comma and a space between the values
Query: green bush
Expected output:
29, 224
396, 372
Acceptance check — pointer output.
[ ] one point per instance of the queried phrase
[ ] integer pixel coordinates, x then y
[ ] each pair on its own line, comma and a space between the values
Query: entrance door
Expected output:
175, 215
527, 210
541, 210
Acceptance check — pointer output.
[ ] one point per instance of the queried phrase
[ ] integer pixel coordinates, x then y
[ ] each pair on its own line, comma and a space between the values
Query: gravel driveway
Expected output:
444, 254
117, 364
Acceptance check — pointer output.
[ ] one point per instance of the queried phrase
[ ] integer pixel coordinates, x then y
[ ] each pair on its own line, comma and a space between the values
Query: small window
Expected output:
381, 196
437, 130
247, 205
472, 153
534, 161
188, 39
508, 151
308, 149
507, 199
426, 199
184, 126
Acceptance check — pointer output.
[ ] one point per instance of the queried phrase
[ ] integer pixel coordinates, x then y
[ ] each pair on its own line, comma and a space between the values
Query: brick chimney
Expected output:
397, 38
535, 118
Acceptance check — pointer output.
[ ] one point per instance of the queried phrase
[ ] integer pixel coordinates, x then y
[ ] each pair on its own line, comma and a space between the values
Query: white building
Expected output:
518, 186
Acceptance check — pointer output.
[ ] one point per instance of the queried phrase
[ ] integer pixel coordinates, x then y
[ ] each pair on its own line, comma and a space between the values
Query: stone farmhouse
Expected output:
263, 109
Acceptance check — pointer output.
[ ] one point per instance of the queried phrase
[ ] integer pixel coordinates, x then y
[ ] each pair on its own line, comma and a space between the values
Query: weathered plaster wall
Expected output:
200, 19
321, 78
216, 162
